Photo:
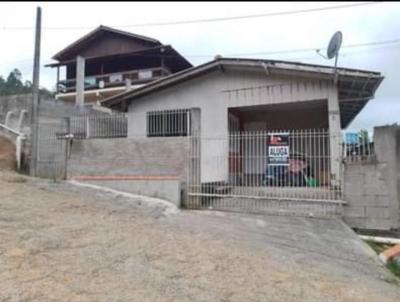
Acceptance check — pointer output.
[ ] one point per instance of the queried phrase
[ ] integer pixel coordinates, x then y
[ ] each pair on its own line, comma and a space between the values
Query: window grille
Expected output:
168, 123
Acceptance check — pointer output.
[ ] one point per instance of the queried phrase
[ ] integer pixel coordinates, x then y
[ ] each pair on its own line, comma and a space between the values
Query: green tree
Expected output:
14, 80
14, 85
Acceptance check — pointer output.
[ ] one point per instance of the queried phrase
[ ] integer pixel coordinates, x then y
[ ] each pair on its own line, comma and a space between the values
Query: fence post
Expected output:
67, 143
334, 136
87, 127
194, 173
66, 153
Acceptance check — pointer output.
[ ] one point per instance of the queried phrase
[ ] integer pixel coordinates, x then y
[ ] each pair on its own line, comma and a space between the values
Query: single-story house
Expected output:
232, 106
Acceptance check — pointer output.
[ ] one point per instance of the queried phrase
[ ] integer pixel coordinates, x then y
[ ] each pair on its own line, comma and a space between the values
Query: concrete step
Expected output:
303, 208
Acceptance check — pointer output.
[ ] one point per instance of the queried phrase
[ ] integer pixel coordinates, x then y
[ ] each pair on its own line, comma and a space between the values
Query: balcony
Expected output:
138, 76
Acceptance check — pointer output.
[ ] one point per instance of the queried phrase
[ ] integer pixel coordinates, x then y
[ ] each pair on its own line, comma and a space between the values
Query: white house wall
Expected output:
193, 94
214, 93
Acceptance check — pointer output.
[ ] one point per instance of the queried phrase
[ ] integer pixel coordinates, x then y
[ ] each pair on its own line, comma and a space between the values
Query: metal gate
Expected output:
52, 150
284, 172
55, 134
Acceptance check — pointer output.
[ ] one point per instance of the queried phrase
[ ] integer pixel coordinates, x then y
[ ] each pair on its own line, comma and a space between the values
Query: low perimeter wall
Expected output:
153, 167
168, 188
157, 167
372, 188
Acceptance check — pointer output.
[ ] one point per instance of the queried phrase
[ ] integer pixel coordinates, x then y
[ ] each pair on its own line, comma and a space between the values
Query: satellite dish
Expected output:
334, 45
333, 51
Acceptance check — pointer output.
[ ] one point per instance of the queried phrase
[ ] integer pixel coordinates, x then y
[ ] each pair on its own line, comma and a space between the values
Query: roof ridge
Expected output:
124, 32
106, 29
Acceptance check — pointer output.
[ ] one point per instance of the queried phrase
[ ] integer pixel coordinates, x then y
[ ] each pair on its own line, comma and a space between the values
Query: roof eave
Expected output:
143, 51
64, 50
161, 83
322, 71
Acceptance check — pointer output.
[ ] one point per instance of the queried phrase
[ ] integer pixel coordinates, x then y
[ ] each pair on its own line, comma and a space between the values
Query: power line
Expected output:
276, 52
300, 59
387, 43
288, 51
273, 14
347, 54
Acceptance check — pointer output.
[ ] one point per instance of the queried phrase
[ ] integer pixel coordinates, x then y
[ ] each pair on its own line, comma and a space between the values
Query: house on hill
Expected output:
111, 61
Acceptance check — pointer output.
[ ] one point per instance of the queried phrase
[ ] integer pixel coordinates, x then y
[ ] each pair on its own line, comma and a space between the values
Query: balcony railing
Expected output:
117, 79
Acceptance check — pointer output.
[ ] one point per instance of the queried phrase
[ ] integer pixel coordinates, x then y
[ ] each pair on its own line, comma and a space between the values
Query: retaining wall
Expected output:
372, 188
149, 166
49, 108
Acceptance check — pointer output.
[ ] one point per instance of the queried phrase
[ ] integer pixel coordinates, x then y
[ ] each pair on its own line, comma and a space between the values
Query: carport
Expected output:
305, 125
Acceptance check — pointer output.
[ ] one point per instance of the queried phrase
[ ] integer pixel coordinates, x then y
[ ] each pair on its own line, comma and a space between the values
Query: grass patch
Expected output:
394, 268
379, 248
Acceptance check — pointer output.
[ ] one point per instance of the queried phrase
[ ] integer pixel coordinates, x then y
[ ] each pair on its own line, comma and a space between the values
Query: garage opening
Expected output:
281, 145
274, 153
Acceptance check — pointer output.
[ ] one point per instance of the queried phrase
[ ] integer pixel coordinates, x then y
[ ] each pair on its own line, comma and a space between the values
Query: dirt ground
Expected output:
7, 154
59, 242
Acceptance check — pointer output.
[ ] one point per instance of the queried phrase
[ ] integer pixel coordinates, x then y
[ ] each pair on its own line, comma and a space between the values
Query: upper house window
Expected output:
145, 74
168, 123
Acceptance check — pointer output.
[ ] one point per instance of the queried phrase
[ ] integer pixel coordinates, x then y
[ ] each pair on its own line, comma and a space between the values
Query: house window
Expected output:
168, 123
116, 78
145, 74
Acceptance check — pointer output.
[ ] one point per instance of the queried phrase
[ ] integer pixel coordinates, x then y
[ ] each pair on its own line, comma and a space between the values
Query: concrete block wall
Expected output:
367, 194
51, 112
371, 189
14, 103
124, 156
17, 103
155, 167
49, 108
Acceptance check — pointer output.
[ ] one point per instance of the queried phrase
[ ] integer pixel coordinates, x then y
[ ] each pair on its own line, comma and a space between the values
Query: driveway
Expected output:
60, 242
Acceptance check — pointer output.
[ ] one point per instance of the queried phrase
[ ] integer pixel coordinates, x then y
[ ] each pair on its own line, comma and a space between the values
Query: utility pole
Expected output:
35, 95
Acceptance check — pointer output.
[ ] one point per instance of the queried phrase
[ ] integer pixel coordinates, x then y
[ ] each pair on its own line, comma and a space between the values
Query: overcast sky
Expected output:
65, 22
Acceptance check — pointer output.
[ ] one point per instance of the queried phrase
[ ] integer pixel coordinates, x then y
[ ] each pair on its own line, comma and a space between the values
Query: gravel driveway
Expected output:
59, 242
